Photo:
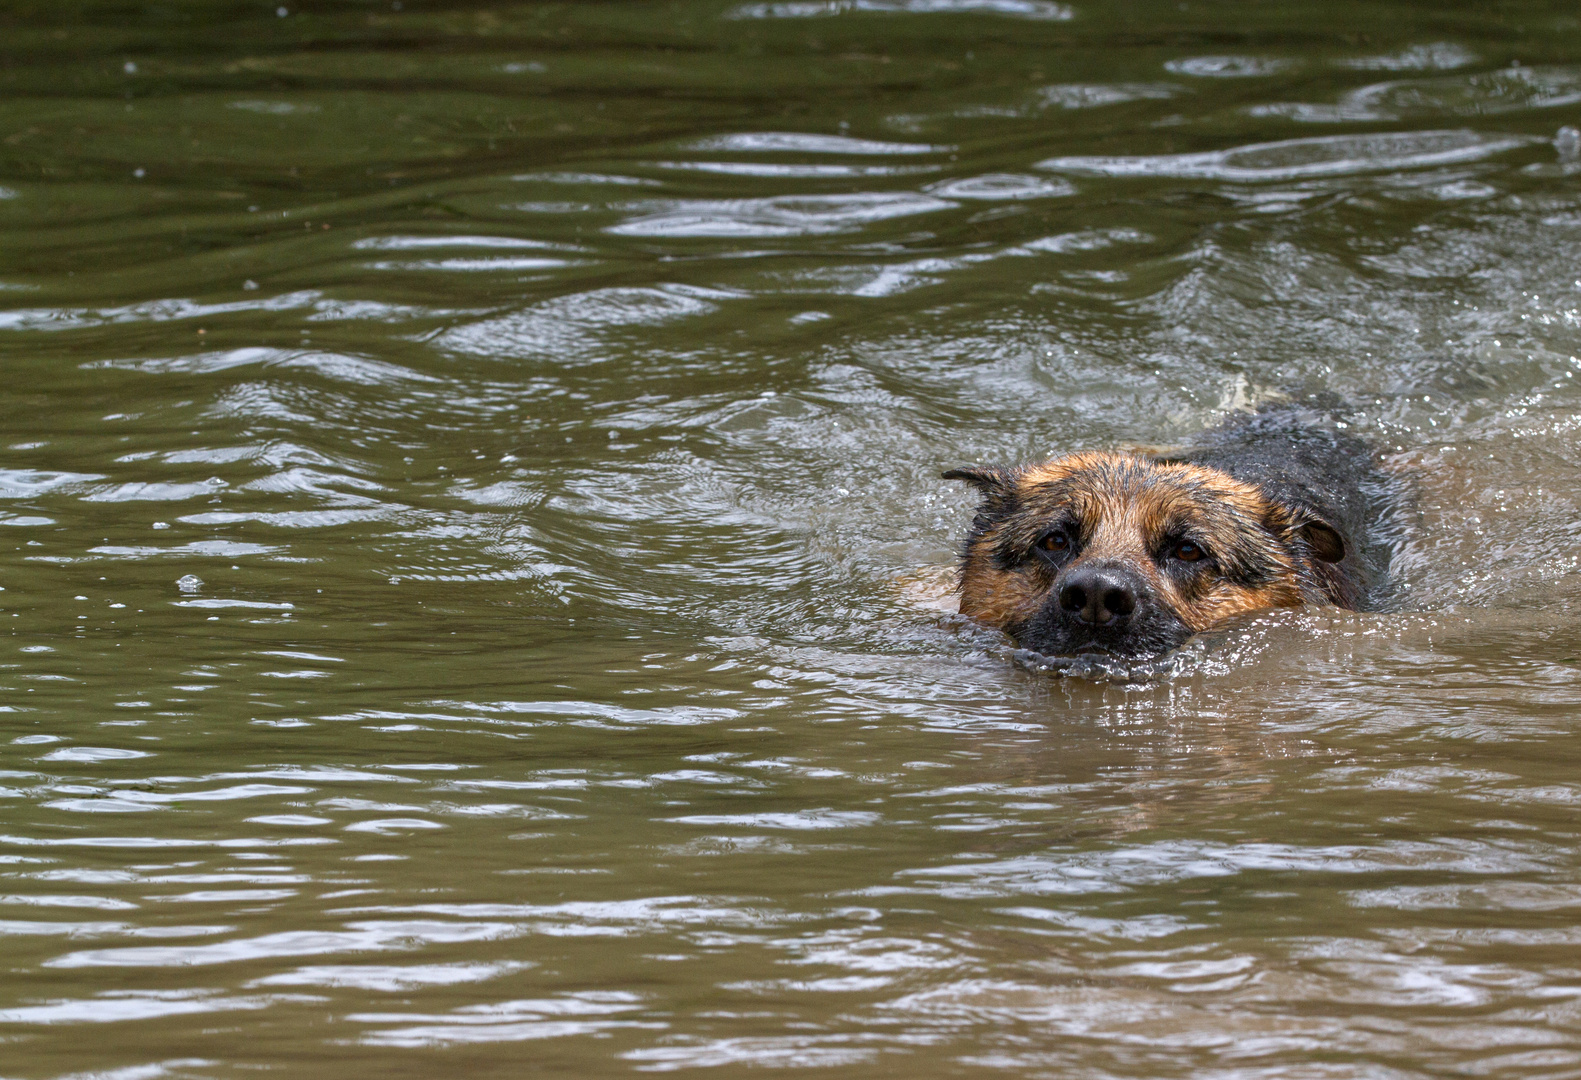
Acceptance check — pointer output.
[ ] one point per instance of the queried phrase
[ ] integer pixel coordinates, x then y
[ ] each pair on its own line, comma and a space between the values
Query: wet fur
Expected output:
1278, 500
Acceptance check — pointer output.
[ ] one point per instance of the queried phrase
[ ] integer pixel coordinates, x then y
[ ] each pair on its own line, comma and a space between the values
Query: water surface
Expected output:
469, 497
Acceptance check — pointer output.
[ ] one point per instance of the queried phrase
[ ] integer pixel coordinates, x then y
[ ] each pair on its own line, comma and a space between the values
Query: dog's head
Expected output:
1128, 555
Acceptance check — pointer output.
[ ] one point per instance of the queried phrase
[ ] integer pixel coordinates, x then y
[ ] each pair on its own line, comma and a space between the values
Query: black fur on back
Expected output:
1302, 456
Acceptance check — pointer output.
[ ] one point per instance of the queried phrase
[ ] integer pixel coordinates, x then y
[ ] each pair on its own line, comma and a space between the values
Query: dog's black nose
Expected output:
1098, 596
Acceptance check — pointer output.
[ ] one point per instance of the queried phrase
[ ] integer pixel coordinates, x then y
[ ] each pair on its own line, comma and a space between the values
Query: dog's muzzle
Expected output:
1103, 608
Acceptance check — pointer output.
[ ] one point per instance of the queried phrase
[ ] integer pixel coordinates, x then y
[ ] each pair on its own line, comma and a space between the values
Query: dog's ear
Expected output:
1288, 523
1324, 541
990, 480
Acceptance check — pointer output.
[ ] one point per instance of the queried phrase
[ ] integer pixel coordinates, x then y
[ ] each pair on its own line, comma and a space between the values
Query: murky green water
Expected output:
462, 466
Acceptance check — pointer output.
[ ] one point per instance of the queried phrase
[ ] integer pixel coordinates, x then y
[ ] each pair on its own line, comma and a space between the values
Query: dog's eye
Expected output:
1186, 551
1055, 543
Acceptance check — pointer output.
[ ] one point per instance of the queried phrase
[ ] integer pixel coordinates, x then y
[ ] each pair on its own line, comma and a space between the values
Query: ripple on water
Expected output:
115, 1006
778, 216
375, 936
599, 718
1097, 95
1438, 56
997, 187
94, 754
361, 370
509, 1021
1169, 862
424, 243
391, 978
31, 483
794, 172
101, 903
312, 302
1041, 10
1229, 67
797, 142
1491, 93
1295, 159
800, 821
571, 329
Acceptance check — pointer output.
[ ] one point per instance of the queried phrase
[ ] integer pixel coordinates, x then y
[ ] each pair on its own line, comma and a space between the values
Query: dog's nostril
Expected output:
1099, 597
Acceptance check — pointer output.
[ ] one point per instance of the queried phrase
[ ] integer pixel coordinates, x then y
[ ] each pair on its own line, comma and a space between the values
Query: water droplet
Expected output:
1568, 143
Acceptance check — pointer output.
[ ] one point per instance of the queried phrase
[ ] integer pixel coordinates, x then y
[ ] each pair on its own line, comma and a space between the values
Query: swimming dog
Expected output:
1130, 554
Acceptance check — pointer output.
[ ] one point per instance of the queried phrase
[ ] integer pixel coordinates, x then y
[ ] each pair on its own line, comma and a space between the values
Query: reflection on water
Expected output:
474, 544
1300, 159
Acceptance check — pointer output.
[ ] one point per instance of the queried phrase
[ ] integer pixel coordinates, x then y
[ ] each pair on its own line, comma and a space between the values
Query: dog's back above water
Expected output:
1130, 554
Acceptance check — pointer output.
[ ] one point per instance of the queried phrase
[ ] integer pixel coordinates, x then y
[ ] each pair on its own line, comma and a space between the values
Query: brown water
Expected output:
466, 470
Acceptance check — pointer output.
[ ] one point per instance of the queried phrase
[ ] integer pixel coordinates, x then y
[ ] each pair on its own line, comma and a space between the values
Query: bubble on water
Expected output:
189, 583
1096, 668
1227, 67
1568, 143
1440, 56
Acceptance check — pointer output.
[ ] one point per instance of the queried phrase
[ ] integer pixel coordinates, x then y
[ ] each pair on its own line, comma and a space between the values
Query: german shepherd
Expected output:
1130, 554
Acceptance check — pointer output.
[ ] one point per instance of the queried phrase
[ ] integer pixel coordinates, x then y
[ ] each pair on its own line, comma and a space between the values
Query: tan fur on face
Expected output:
1128, 509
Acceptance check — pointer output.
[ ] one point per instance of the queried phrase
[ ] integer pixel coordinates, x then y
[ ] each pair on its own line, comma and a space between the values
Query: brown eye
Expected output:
1186, 551
1055, 543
